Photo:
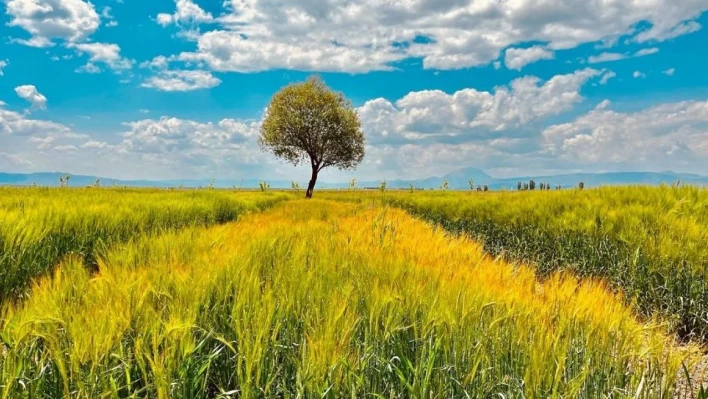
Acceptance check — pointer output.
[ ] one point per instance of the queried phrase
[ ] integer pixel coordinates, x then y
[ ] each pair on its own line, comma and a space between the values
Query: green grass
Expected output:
40, 226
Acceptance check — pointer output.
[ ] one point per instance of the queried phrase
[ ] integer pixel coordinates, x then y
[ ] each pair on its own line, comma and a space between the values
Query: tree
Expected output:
445, 185
471, 183
581, 185
532, 185
295, 186
308, 122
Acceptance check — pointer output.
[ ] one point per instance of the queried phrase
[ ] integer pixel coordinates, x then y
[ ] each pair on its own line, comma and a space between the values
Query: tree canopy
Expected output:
309, 122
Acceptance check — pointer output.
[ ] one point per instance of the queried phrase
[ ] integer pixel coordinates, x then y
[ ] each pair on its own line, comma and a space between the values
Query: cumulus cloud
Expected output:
182, 81
3, 64
168, 135
69, 20
670, 72
361, 36
667, 135
472, 113
517, 58
638, 74
187, 12
29, 93
103, 53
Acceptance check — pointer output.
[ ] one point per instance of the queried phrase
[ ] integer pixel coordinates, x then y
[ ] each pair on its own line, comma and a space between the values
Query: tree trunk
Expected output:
313, 181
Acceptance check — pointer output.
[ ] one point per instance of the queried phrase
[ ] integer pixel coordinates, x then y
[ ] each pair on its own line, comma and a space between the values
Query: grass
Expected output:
649, 242
325, 299
39, 226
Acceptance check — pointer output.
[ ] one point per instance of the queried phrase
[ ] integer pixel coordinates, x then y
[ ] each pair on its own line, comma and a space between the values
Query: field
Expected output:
187, 294
650, 243
39, 226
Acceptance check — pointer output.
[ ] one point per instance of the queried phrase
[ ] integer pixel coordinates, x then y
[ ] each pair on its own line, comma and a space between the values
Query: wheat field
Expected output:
318, 298
348, 296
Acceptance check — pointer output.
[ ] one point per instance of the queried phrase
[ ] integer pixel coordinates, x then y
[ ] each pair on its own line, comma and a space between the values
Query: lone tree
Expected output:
308, 122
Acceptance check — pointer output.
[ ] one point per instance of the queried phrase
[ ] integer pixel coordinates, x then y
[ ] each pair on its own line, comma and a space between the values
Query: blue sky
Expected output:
167, 89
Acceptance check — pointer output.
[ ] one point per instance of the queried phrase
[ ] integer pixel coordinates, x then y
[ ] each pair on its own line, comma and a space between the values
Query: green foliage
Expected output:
445, 185
309, 123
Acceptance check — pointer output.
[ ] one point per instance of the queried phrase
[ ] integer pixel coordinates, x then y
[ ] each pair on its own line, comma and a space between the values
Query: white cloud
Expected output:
646, 51
16, 124
103, 53
159, 62
95, 145
607, 76
187, 12
670, 72
65, 148
469, 112
106, 15
609, 57
606, 57
666, 136
360, 36
664, 31
45, 20
517, 58
88, 68
638, 74
3, 64
168, 135
29, 93
182, 81
232, 52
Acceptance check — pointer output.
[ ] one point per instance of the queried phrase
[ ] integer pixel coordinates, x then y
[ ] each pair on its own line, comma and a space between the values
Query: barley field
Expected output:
39, 226
651, 243
223, 294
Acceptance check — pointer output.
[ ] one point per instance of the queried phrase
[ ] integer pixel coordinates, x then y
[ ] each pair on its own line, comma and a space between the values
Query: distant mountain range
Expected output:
456, 180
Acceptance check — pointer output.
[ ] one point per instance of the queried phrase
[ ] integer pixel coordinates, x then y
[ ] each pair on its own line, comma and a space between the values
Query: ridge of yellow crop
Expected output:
39, 226
319, 298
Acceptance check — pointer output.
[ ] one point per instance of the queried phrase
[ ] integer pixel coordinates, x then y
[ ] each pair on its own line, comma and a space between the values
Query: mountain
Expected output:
458, 179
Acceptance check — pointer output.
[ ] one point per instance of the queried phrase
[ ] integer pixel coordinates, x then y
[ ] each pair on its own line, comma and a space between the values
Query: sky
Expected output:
176, 89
